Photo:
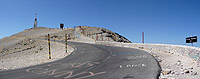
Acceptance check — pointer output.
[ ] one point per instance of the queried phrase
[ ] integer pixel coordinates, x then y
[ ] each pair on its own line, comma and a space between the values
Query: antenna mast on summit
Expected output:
35, 22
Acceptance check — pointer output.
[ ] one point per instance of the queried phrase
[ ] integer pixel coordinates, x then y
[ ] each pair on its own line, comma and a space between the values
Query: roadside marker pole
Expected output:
102, 36
115, 39
96, 36
191, 41
66, 42
49, 46
143, 37
54, 37
92, 36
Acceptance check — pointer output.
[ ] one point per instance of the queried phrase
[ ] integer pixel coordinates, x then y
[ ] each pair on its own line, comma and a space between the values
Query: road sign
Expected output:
191, 39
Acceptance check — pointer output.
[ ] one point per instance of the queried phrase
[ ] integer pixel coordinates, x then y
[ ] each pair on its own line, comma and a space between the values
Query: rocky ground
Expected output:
31, 52
26, 49
176, 67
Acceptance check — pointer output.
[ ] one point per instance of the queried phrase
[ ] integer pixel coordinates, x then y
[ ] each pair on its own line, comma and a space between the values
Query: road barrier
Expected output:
49, 46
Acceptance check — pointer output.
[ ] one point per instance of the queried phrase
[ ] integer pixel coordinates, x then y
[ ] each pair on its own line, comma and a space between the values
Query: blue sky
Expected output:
163, 21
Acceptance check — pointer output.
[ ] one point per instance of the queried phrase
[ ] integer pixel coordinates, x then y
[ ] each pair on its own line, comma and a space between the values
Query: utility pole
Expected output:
35, 22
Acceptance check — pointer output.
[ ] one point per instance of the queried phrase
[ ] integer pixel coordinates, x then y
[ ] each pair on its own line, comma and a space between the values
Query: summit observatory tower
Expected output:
35, 22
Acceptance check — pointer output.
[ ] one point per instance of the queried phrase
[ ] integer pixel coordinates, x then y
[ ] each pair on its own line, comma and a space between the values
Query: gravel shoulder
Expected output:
176, 67
37, 53
25, 49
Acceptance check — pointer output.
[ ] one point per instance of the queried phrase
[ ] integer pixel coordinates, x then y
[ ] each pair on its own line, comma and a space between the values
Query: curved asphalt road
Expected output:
90, 61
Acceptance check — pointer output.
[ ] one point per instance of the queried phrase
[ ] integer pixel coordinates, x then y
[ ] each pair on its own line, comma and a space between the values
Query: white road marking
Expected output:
106, 59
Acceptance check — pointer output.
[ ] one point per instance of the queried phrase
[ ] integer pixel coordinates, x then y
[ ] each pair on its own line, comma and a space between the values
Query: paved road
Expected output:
90, 61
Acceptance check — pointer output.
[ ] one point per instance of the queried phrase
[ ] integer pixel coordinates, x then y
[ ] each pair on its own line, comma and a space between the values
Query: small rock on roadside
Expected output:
178, 63
166, 71
155, 55
194, 73
159, 60
186, 71
190, 68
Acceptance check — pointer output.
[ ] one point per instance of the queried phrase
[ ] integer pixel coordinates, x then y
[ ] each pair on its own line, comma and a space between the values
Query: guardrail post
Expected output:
102, 36
143, 37
114, 37
96, 36
54, 37
49, 46
92, 35
66, 42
